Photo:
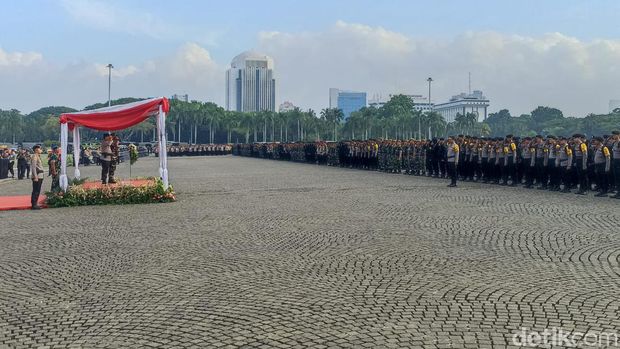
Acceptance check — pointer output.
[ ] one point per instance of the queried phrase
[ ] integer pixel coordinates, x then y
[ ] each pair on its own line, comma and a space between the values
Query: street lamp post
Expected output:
110, 66
430, 108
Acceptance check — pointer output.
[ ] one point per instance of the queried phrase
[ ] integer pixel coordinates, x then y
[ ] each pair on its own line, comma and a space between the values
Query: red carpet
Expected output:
131, 182
18, 202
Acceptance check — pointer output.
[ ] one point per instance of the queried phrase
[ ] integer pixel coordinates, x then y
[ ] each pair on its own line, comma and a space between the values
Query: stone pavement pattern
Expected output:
266, 254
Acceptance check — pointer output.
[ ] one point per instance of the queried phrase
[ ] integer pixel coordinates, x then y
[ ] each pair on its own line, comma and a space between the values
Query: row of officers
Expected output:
198, 150
563, 164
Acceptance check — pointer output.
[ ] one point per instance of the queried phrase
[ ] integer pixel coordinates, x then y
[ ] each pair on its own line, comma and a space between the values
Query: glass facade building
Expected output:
347, 101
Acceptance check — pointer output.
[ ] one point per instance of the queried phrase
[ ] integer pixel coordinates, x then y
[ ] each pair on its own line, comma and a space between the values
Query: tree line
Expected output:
205, 122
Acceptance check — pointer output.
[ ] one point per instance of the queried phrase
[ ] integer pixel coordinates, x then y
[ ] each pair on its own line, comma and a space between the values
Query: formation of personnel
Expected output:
549, 163
198, 150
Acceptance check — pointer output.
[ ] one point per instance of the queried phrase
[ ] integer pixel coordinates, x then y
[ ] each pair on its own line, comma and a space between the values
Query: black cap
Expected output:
508, 136
54, 147
37, 146
616, 133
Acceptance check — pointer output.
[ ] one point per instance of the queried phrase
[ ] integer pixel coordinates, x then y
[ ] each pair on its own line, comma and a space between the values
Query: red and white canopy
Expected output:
114, 118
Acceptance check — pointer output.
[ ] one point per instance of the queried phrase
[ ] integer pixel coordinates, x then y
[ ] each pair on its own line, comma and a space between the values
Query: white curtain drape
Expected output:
64, 135
77, 149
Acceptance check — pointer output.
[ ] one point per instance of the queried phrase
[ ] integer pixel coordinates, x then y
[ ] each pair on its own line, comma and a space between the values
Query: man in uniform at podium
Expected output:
106, 157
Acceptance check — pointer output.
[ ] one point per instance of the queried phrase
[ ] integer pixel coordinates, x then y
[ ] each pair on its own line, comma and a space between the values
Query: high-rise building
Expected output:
347, 101
250, 83
184, 98
613, 105
462, 104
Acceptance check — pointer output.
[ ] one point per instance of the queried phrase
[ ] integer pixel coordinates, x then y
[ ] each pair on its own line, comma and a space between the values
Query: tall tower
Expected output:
250, 83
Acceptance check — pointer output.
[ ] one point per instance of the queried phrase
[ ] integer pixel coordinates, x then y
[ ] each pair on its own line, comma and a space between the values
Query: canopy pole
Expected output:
163, 156
77, 150
161, 167
64, 135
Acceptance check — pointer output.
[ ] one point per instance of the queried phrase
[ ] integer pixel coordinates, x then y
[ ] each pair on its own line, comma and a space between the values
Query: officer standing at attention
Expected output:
528, 161
580, 151
452, 160
115, 147
36, 169
550, 162
564, 162
54, 168
106, 157
510, 161
602, 165
615, 153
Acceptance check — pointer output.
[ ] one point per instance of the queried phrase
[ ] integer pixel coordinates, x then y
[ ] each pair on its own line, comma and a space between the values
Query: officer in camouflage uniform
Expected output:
54, 168
115, 147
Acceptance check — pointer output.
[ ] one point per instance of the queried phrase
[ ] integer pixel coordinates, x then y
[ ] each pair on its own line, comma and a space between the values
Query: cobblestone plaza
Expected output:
267, 254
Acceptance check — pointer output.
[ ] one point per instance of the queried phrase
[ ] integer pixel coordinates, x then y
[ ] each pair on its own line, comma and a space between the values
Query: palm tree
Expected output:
459, 122
485, 130
195, 117
338, 117
436, 123
311, 120
470, 121
285, 119
370, 118
333, 116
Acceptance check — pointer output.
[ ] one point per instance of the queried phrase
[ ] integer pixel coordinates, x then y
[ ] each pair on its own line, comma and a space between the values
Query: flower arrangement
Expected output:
133, 154
78, 195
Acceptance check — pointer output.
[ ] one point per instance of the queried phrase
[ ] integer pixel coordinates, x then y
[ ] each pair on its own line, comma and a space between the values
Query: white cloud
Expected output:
190, 69
110, 17
516, 72
122, 72
104, 16
12, 59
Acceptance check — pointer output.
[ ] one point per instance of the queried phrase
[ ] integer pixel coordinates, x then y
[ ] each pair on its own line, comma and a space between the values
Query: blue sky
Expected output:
225, 29
74, 34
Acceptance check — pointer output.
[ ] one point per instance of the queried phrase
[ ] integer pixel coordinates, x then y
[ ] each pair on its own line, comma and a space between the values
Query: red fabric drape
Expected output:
118, 118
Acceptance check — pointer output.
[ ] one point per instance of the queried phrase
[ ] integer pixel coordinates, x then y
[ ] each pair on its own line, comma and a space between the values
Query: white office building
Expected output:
462, 104
420, 103
184, 98
250, 83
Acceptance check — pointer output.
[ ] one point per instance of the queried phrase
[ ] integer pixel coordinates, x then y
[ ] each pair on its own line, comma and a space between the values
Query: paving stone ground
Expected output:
267, 254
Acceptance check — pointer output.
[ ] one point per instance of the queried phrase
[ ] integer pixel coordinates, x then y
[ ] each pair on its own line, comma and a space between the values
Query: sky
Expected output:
521, 54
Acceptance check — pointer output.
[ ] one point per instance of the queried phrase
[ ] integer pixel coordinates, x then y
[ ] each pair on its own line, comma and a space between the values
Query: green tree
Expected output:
544, 115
